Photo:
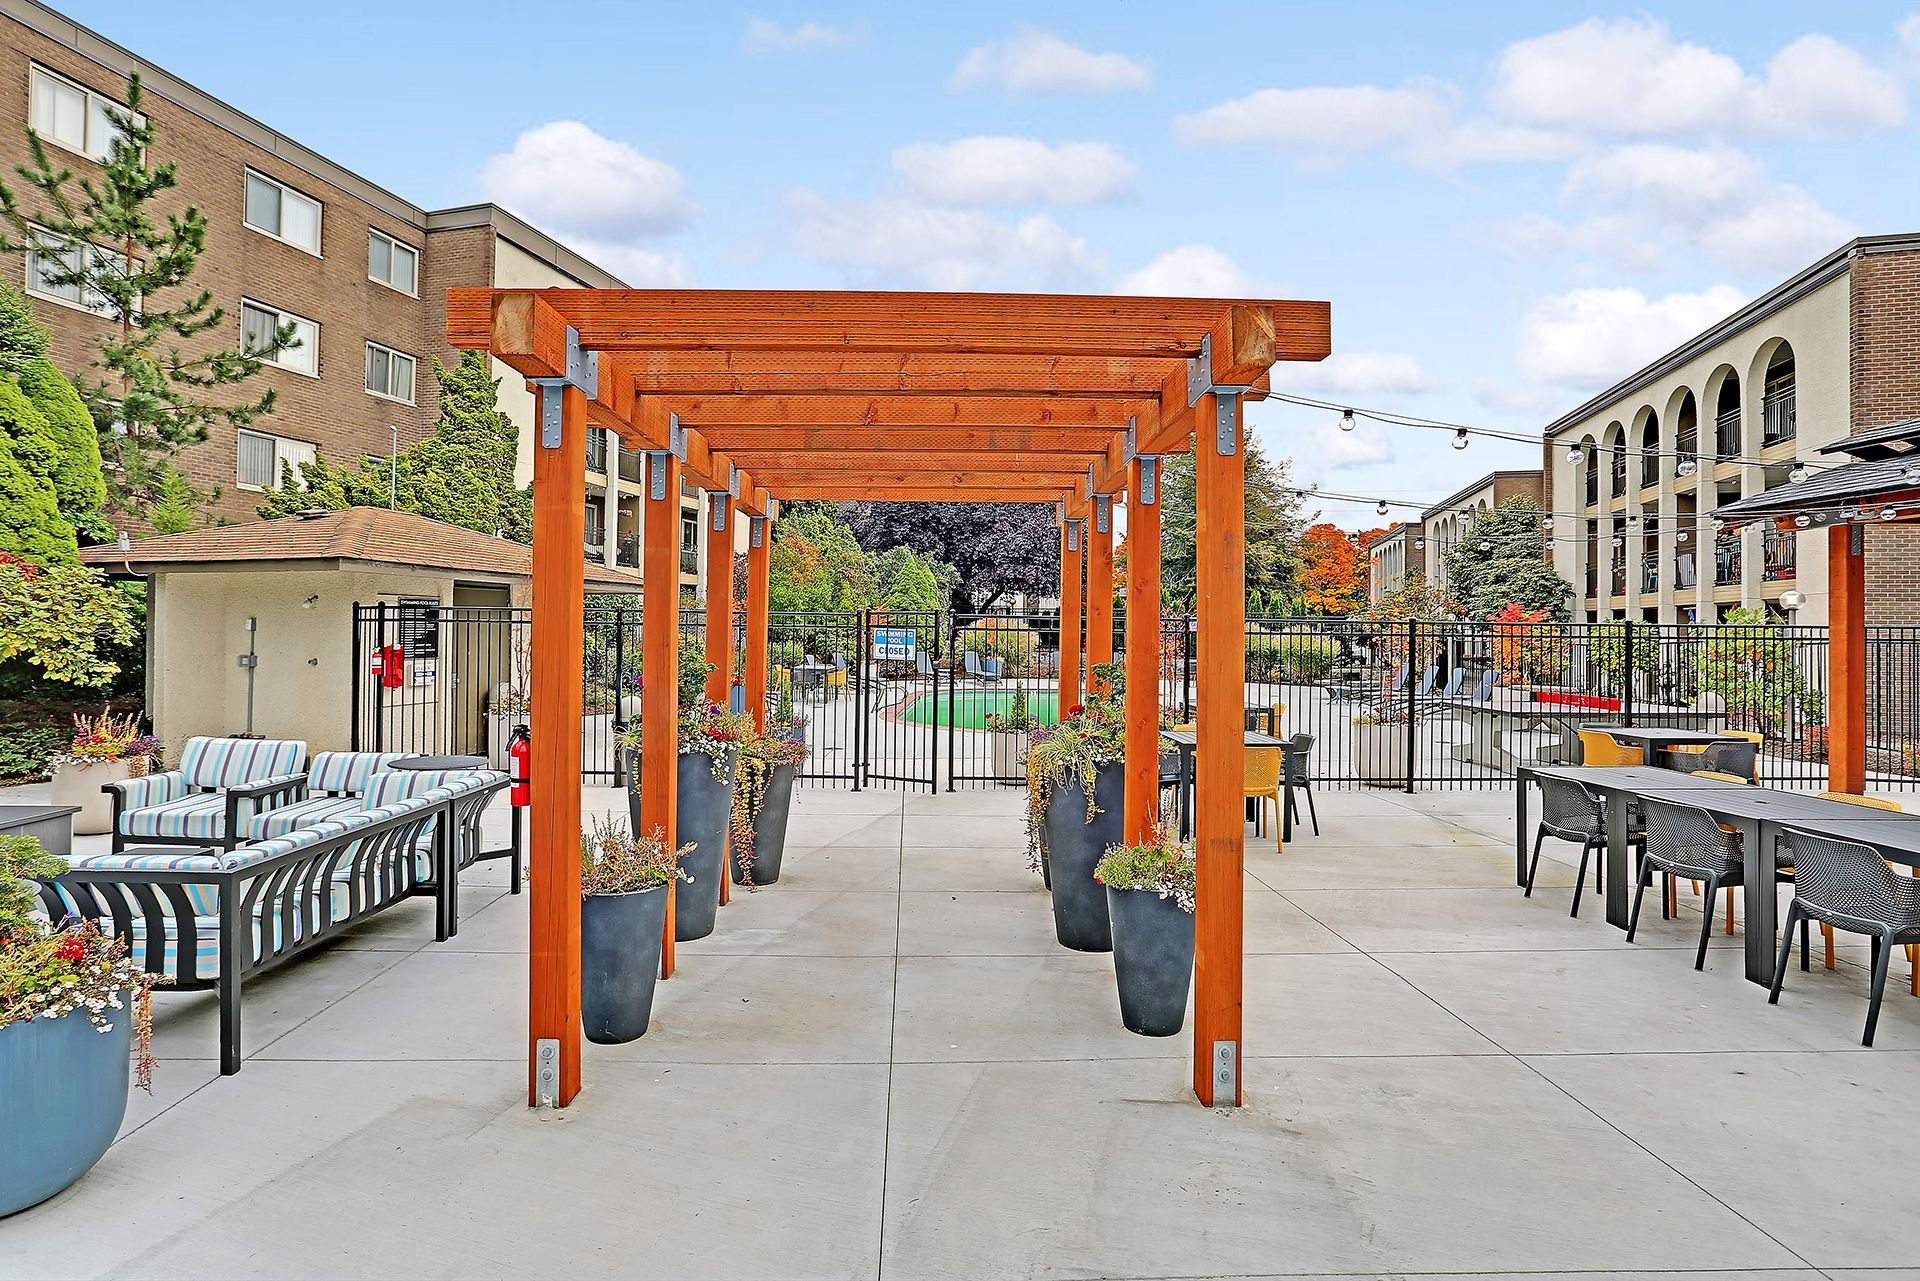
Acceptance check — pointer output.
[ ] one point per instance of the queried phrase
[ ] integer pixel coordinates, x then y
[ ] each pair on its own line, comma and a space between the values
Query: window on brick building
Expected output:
53, 262
389, 373
260, 458
392, 262
283, 213
258, 325
71, 115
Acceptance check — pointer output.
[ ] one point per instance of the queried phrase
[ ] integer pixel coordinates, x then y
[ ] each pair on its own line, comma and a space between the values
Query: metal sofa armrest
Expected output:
258, 798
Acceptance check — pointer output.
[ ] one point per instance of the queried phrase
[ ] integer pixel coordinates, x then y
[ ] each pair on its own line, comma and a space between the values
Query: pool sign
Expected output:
897, 643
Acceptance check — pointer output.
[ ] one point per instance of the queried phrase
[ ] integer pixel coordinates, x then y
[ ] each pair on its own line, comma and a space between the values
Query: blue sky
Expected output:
1508, 206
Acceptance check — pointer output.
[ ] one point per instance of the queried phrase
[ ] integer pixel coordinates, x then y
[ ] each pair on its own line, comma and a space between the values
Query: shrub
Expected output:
1008, 639
1307, 657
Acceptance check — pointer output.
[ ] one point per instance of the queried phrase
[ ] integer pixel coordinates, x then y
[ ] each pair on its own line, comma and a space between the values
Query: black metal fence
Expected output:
941, 700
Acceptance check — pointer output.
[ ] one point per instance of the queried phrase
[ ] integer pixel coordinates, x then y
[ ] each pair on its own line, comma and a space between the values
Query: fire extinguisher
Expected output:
520, 754
390, 665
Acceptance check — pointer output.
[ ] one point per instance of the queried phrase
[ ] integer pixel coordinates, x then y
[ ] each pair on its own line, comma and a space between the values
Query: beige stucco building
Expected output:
1635, 473
1421, 546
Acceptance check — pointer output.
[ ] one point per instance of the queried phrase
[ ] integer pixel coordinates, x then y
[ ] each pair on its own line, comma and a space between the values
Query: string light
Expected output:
1576, 455
1803, 521
1460, 440
1346, 420
1911, 473
1798, 474
1686, 467
1383, 506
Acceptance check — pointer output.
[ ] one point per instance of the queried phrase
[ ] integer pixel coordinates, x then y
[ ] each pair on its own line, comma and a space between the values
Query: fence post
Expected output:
1631, 665
860, 742
1413, 682
380, 686
359, 663
953, 649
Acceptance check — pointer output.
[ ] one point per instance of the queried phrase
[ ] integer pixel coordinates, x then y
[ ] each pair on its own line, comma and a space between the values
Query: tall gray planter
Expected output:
703, 814
63, 1094
619, 962
1152, 960
1074, 849
769, 829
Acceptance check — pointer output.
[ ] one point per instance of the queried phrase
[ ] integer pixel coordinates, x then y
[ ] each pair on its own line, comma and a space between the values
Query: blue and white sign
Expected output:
894, 643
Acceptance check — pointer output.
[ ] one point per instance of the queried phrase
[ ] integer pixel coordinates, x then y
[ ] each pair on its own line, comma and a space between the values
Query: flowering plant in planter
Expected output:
1088, 735
99, 740
1162, 863
759, 755
786, 722
47, 973
613, 861
1017, 719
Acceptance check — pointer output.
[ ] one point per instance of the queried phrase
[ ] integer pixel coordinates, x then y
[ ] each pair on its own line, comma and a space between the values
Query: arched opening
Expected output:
1649, 449
1776, 398
1686, 435
1591, 453
1616, 447
1726, 418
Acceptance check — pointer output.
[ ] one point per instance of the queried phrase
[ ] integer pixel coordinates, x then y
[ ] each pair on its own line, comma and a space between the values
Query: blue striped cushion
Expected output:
153, 789
234, 762
291, 818
393, 785
346, 771
198, 816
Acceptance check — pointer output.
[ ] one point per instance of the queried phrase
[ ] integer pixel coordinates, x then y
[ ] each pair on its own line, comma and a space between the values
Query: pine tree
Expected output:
1500, 560
150, 397
23, 339
462, 474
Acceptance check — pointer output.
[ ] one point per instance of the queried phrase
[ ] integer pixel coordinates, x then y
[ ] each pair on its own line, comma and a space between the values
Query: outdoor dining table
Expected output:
1759, 814
1654, 739
1489, 723
1185, 740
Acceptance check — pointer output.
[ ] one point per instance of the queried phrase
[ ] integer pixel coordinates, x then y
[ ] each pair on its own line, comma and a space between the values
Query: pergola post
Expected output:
553, 831
1070, 558
1846, 658
1099, 585
720, 620
1219, 837
759, 579
1143, 648
660, 662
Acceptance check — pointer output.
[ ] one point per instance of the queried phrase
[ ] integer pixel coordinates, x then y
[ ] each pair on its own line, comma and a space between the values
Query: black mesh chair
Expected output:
1572, 813
1685, 841
1740, 758
1299, 776
1169, 780
1851, 888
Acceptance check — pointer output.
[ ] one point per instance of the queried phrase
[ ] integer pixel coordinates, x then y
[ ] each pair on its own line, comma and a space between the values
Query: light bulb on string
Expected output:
1346, 420
1911, 473
1383, 507
1888, 513
1798, 474
1460, 439
1576, 455
1686, 467
1802, 521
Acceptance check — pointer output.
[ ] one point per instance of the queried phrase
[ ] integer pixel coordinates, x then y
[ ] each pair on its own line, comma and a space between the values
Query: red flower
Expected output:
1076, 709
70, 949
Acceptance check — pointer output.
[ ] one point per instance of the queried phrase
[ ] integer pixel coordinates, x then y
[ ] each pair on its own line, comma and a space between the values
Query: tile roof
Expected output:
371, 535
1867, 484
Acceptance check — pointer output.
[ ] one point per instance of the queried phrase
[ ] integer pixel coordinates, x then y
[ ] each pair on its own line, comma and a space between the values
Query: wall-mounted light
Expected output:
309, 602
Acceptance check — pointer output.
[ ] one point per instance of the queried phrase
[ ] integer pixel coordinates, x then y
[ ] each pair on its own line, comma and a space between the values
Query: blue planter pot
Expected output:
619, 963
63, 1094
1074, 848
1152, 960
769, 829
703, 816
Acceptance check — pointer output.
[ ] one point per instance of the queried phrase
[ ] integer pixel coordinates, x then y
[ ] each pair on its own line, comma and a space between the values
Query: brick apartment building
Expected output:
296, 238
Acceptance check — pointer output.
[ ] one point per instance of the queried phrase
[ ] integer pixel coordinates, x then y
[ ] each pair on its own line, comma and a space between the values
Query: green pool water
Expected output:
970, 706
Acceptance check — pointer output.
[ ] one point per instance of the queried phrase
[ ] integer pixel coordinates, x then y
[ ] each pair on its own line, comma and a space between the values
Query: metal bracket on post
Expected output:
1073, 535
676, 437
718, 504
733, 480
583, 371
1089, 482
1149, 480
1226, 1074
657, 475
1226, 423
1128, 444
1103, 512
546, 1074
1060, 511
1200, 371
756, 530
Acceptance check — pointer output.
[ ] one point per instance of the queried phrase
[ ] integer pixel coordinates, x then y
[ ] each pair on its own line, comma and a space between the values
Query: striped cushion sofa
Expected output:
207, 918
219, 787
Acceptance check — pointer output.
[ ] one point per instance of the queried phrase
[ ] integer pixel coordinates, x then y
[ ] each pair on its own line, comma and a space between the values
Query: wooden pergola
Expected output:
906, 397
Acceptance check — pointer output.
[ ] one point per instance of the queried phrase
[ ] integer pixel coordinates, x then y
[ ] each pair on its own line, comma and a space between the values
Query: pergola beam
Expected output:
770, 467
819, 441
898, 412
700, 373
841, 491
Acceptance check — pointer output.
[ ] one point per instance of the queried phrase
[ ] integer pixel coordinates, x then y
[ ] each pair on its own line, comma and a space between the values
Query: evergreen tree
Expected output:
1274, 523
23, 339
1500, 560
462, 474
31, 525
151, 397
79, 484
912, 586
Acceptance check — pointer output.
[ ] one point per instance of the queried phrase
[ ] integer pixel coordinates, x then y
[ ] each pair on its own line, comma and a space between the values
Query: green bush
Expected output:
1007, 639
1307, 657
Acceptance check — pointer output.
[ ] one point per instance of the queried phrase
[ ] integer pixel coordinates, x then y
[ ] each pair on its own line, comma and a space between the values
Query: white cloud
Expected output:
1718, 200
1187, 271
1364, 446
1356, 373
568, 178
1586, 338
1482, 142
766, 36
1014, 171
640, 267
1033, 61
1527, 402
1629, 75
1910, 43
883, 242
1323, 121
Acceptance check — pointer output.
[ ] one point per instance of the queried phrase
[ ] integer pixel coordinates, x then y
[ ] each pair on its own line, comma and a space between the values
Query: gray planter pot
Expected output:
1074, 849
703, 813
1152, 960
769, 829
619, 962
63, 1094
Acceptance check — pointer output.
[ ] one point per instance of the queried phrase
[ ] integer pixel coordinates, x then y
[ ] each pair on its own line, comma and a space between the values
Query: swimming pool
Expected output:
970, 707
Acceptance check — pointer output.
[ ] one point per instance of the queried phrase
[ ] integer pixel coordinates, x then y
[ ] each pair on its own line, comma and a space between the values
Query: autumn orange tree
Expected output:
1333, 570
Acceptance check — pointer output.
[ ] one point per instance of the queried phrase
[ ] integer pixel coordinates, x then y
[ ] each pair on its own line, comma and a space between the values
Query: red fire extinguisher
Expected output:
390, 665
520, 754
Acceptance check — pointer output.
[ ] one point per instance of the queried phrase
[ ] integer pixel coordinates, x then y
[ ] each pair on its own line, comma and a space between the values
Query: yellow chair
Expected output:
1188, 728
1262, 783
837, 680
1874, 803
1597, 747
1724, 778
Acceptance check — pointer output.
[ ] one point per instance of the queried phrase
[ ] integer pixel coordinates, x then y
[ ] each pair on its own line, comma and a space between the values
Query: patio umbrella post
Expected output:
1143, 647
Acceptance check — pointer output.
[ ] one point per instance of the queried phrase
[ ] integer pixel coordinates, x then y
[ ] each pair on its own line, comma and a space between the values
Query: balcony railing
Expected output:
1780, 550
689, 560
1726, 435
633, 466
1593, 579
1617, 471
1619, 587
1726, 560
1650, 467
1684, 576
1776, 414
628, 552
597, 449
1650, 571
596, 548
